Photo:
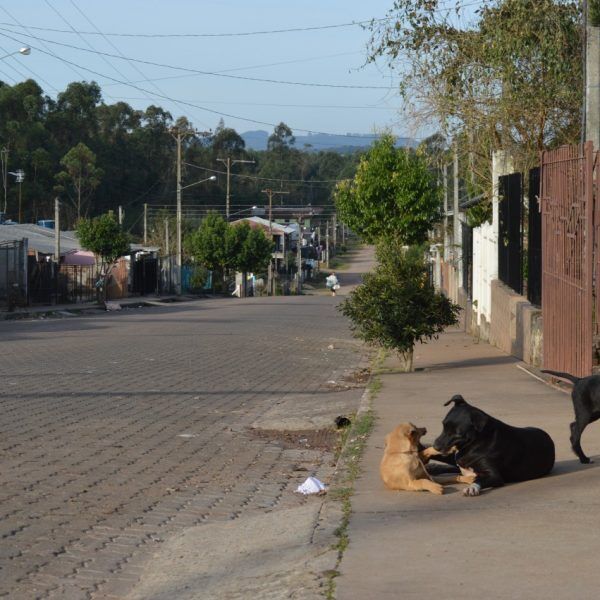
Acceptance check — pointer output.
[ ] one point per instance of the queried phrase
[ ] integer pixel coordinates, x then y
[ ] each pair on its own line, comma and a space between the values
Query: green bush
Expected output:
397, 306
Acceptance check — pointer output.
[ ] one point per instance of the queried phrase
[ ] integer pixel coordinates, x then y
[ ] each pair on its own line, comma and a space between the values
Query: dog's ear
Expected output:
479, 420
457, 399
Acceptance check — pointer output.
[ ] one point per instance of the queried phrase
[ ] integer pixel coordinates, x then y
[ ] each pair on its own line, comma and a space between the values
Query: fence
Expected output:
467, 259
64, 284
510, 231
13, 273
567, 203
534, 240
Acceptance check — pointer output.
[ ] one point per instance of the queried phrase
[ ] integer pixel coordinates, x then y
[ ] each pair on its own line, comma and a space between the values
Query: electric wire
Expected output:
165, 97
50, 86
362, 23
202, 72
131, 63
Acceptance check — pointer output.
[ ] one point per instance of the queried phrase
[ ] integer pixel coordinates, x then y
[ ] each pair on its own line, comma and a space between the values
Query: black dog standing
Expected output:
586, 404
495, 452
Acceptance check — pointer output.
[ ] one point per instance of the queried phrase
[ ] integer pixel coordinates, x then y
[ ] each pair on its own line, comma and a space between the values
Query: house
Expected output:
284, 237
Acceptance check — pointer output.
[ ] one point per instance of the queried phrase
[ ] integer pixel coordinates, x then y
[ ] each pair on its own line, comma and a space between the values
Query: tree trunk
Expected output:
406, 361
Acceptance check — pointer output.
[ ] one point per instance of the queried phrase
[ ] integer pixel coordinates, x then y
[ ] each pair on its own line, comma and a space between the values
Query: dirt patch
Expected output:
358, 376
321, 439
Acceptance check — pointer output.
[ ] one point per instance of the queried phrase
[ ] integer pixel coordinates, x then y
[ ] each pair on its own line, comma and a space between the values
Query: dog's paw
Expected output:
437, 488
473, 490
466, 479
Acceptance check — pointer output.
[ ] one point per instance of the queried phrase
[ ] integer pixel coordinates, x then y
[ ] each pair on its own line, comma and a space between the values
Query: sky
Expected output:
333, 56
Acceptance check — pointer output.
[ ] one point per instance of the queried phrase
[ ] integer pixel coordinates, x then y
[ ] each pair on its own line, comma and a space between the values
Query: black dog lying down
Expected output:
495, 452
586, 404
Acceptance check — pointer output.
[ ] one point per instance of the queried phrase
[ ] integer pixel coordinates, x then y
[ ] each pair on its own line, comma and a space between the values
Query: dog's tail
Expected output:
568, 376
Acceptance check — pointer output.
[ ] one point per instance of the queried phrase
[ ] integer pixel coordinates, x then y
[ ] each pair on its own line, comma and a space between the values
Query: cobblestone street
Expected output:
121, 429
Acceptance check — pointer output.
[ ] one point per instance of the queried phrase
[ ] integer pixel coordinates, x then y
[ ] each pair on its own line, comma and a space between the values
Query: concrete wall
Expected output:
516, 325
485, 270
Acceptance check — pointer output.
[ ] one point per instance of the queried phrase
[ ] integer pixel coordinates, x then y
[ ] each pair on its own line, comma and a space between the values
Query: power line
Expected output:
213, 35
207, 73
306, 181
165, 97
41, 79
131, 64
373, 21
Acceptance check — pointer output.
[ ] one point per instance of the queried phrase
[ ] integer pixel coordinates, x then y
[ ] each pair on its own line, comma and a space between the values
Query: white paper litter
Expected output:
311, 486
113, 306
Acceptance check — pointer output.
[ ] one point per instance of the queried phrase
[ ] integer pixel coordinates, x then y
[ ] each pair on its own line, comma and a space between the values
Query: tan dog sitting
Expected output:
403, 466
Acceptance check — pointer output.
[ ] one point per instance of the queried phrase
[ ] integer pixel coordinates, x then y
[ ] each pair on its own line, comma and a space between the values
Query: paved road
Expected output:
121, 429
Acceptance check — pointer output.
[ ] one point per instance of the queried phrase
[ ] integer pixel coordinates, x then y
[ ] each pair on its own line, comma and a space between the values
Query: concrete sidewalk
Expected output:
537, 539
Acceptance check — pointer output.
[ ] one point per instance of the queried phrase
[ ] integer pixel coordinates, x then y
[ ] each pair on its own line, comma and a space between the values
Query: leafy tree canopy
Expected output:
104, 237
393, 195
510, 79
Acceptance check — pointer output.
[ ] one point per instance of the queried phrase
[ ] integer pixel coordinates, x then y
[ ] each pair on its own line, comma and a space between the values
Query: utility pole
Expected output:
334, 228
270, 193
592, 75
456, 224
4, 158
228, 164
57, 230
145, 224
446, 234
299, 257
327, 245
121, 215
178, 134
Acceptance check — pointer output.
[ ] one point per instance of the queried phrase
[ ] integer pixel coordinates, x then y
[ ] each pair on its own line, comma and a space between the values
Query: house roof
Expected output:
40, 239
277, 228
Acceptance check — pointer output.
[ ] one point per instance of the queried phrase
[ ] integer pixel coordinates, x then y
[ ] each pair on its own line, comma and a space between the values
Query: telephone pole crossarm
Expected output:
228, 162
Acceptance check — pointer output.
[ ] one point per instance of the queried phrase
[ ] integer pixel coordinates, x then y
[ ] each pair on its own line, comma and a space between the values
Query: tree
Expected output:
248, 250
253, 249
393, 194
281, 138
512, 80
207, 243
396, 306
106, 239
80, 177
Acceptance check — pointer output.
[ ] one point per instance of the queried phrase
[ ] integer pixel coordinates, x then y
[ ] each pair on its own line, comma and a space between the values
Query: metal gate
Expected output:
567, 204
13, 274
510, 231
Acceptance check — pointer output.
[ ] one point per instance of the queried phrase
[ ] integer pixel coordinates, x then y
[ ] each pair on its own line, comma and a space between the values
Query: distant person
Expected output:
332, 283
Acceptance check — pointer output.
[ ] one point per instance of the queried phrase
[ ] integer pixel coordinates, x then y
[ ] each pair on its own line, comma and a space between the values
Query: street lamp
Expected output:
180, 188
19, 178
239, 212
26, 50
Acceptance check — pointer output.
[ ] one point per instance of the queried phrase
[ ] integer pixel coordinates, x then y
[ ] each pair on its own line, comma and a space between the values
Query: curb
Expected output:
545, 378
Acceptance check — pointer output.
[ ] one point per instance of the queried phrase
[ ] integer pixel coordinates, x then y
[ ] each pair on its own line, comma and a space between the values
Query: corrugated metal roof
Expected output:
40, 239
265, 223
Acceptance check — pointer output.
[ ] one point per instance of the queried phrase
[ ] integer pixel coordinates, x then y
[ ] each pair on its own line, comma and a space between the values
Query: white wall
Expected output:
485, 269
485, 245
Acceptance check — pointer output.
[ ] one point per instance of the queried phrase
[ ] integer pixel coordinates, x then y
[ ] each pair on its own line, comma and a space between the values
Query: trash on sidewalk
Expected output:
311, 486
113, 306
341, 422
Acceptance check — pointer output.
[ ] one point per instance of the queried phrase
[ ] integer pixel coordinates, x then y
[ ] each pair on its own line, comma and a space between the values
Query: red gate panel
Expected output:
567, 257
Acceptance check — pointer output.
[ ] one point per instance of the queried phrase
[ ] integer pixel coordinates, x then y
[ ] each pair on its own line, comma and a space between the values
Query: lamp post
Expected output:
180, 188
19, 178
229, 163
26, 50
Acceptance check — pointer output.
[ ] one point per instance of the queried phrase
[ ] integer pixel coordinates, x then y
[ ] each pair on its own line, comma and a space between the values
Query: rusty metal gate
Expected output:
567, 205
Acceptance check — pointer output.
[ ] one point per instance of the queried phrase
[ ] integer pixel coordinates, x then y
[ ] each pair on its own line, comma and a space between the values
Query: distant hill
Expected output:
257, 140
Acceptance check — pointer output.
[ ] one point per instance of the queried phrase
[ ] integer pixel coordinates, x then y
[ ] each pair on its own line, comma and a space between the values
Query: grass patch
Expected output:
352, 449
